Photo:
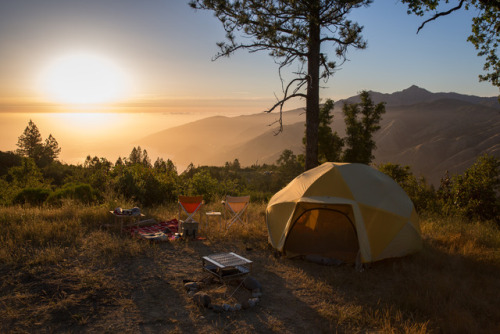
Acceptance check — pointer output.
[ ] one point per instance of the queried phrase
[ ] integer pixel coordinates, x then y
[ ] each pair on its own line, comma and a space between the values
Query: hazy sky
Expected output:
161, 51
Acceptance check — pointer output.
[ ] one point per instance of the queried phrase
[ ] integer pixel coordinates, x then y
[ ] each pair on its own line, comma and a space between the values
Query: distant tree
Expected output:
165, 166
289, 166
329, 143
52, 148
97, 163
160, 165
139, 156
30, 142
299, 31
135, 156
485, 28
362, 121
31, 145
120, 161
236, 165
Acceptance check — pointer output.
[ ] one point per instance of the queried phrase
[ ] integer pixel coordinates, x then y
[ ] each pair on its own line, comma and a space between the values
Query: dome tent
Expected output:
342, 211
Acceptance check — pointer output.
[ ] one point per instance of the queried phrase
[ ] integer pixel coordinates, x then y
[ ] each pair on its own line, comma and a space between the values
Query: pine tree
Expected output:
31, 146
30, 142
293, 32
360, 126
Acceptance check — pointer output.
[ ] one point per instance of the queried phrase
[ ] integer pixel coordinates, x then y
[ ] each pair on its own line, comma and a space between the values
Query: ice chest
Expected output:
188, 229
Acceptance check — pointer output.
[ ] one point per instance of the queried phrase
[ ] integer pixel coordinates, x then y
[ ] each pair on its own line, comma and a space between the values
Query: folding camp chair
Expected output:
189, 205
235, 209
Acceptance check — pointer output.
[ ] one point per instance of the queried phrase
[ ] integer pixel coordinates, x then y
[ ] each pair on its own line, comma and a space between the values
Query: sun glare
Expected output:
84, 78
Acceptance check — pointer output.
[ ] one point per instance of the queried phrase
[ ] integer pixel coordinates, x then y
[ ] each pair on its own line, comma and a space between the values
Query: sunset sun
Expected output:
83, 78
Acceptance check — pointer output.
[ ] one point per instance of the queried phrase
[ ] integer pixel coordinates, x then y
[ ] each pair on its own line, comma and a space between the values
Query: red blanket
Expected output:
169, 228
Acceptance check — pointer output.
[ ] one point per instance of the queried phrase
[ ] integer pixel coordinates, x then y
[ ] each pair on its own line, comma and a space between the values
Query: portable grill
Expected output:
226, 266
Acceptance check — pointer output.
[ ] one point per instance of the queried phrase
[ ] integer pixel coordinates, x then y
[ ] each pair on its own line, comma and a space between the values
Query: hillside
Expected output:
431, 132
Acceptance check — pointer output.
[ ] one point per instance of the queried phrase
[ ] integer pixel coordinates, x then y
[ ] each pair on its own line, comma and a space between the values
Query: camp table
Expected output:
226, 266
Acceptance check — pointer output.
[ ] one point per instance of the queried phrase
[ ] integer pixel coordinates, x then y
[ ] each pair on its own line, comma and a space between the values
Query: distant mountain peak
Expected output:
415, 95
414, 89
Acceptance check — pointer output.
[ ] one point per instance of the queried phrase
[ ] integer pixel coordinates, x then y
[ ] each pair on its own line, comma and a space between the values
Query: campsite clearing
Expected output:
61, 272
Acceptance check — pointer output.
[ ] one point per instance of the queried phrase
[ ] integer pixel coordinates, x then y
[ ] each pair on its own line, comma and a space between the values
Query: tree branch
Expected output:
448, 12
287, 97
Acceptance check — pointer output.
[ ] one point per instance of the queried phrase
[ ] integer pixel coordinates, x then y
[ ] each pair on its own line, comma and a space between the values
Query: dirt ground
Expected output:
146, 294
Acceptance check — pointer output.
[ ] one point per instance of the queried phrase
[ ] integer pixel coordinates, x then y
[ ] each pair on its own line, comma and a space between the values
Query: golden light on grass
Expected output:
83, 78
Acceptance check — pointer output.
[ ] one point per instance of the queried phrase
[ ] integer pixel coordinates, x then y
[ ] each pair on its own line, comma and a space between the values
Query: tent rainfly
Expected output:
349, 212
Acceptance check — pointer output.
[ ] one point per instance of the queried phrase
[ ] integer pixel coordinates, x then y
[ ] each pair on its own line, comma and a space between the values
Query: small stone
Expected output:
191, 286
202, 299
251, 283
253, 301
227, 307
237, 307
191, 293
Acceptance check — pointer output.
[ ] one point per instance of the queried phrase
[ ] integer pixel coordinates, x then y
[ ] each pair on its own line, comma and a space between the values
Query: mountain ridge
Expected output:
431, 132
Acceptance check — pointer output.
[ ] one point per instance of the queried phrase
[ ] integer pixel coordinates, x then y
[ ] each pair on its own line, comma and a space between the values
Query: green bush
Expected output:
80, 192
202, 183
475, 193
145, 186
32, 196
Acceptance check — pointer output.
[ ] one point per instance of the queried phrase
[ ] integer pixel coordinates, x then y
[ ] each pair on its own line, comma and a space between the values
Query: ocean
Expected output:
109, 135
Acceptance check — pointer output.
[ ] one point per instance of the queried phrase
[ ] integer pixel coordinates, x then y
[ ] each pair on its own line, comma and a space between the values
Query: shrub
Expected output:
32, 196
202, 183
80, 192
144, 185
474, 194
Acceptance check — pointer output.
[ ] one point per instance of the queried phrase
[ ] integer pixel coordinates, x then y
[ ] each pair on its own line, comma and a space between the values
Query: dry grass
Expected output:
62, 270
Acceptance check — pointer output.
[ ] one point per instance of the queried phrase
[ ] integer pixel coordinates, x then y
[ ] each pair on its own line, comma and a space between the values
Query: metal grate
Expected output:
228, 259
226, 265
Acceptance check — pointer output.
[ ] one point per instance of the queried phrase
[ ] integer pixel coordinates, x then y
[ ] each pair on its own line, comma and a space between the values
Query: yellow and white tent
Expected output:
343, 211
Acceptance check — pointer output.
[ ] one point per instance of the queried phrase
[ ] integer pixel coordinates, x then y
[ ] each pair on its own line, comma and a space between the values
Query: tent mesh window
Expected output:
323, 231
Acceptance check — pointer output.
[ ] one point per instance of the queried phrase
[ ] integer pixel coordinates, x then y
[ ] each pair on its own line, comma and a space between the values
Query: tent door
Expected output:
323, 231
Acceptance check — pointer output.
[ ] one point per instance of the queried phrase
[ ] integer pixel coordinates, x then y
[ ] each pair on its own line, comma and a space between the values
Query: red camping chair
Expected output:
189, 205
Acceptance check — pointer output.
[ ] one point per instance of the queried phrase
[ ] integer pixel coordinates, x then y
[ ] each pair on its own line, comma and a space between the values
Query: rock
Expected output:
251, 283
237, 307
253, 301
227, 307
202, 299
249, 303
191, 293
191, 286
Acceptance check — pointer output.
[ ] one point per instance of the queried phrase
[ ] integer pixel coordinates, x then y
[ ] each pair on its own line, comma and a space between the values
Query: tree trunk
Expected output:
312, 100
